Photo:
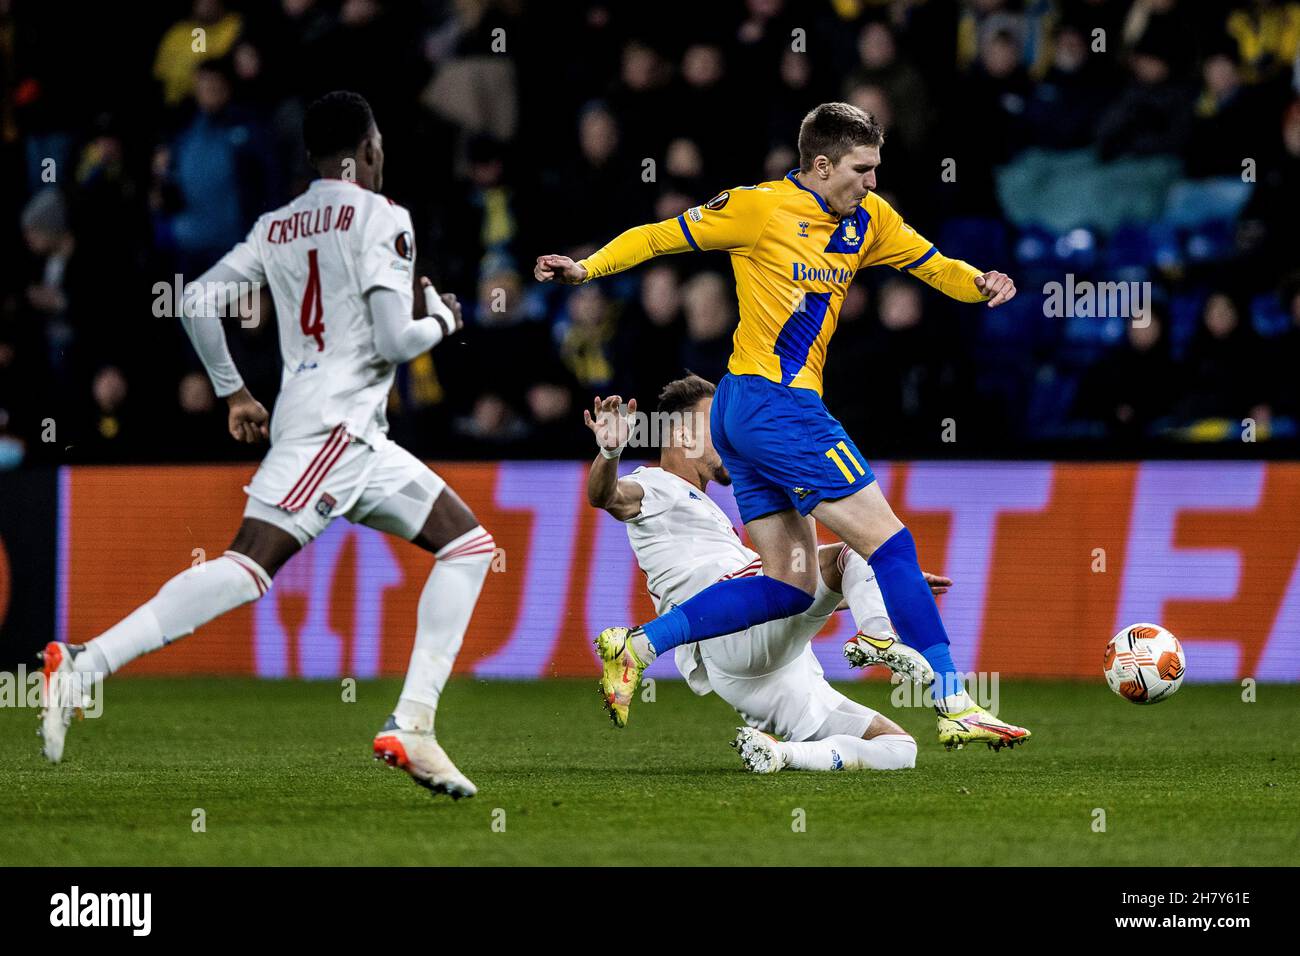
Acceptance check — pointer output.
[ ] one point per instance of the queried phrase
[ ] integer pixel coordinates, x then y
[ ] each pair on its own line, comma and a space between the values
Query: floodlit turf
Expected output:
283, 774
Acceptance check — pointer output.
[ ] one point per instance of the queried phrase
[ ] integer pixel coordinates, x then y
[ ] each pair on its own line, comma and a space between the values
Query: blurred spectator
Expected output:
1227, 364
901, 82
1286, 356
595, 118
1065, 107
586, 338
648, 344
208, 33
1267, 35
1152, 116
1227, 123
109, 430
911, 382
215, 178
1270, 229
710, 306
1132, 386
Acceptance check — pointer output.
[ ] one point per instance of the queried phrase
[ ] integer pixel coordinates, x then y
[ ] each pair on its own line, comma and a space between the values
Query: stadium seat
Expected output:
1267, 315
974, 239
1192, 203
1184, 316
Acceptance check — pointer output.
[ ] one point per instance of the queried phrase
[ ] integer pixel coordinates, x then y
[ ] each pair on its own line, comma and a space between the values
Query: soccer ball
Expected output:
1144, 663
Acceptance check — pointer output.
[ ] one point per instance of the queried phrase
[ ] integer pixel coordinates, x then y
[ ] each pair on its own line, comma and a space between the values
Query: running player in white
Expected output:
339, 261
684, 542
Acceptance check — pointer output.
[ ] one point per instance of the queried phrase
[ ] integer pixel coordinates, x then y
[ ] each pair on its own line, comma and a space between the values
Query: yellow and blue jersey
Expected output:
794, 260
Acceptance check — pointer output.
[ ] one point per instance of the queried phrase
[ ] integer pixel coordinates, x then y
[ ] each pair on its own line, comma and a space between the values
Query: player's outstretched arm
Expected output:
899, 245
560, 269
605, 490
630, 248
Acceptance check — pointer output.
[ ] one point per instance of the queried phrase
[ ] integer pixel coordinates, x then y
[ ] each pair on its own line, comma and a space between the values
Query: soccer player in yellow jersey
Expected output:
795, 245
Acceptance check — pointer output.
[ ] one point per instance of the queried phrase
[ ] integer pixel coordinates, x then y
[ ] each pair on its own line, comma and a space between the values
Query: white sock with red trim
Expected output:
446, 604
866, 603
186, 602
842, 752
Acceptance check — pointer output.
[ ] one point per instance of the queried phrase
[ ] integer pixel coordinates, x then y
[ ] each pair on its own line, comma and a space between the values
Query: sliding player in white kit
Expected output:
684, 542
339, 261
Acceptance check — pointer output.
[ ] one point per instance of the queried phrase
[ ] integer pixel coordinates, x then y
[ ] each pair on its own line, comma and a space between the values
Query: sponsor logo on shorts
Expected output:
802, 492
326, 504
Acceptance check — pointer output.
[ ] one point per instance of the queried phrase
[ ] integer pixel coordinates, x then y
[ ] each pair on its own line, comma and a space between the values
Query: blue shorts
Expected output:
783, 449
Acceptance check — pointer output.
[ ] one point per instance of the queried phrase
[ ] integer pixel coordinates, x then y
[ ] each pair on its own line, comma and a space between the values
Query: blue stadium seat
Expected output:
1267, 315
1075, 249
1192, 203
974, 239
1130, 245
1184, 316
1035, 246
1210, 242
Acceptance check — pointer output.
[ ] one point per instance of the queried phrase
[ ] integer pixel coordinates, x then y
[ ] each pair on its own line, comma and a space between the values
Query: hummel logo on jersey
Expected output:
803, 230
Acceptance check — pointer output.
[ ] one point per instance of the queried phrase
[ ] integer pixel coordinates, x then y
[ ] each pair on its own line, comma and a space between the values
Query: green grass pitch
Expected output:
283, 774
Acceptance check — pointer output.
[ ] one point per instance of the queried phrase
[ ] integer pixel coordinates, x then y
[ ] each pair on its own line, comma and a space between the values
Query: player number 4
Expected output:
834, 456
313, 324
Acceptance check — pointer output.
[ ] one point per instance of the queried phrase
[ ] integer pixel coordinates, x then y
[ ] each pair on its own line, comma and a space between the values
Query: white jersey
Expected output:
683, 541
320, 255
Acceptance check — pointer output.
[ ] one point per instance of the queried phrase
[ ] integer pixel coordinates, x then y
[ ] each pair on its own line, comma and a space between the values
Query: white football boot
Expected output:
419, 754
762, 753
866, 650
61, 697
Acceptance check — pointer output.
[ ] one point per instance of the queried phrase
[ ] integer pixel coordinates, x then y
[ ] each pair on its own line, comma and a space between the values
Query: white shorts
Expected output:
771, 676
301, 486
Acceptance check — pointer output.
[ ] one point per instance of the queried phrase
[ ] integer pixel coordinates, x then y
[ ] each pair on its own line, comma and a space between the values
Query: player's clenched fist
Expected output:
997, 286
248, 418
445, 308
559, 269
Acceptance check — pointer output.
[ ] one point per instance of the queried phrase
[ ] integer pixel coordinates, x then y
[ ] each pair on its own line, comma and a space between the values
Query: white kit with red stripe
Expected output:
320, 255
683, 541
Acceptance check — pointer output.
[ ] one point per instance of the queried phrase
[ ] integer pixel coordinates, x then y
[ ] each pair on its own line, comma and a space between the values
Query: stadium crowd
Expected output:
1143, 141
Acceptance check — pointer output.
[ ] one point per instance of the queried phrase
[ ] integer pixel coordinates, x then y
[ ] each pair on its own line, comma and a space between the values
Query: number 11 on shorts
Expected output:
834, 456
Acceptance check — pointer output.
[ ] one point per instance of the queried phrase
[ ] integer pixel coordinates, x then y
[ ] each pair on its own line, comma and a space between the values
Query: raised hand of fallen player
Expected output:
248, 418
607, 422
997, 286
445, 308
560, 269
938, 583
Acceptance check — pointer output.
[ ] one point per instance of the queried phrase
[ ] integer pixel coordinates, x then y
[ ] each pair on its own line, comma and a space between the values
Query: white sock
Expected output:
641, 646
186, 602
866, 603
954, 703
843, 752
446, 604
